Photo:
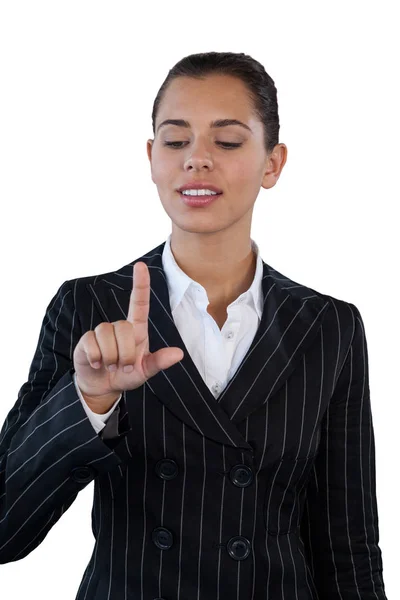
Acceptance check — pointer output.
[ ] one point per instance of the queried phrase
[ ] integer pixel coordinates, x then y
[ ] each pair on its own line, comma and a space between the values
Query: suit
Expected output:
267, 492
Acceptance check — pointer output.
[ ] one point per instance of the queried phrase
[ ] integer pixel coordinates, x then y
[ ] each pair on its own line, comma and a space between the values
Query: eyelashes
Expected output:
229, 145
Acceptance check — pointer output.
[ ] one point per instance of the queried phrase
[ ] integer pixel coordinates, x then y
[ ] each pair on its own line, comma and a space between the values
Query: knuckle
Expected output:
141, 302
103, 327
122, 324
87, 337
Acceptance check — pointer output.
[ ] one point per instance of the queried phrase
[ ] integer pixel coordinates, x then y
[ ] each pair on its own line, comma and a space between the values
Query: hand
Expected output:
117, 345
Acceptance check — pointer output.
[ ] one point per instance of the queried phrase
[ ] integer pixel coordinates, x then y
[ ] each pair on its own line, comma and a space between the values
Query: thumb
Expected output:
162, 359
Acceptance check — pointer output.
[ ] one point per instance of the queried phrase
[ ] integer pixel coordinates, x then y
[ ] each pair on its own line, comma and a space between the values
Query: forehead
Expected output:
189, 97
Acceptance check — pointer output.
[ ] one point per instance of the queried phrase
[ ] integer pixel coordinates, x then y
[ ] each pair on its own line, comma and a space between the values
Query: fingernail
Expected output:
96, 365
127, 368
112, 367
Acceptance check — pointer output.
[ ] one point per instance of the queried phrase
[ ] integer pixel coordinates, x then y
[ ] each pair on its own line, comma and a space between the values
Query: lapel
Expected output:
292, 315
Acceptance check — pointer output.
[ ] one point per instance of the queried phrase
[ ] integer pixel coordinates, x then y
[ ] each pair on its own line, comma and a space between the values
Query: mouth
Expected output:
198, 201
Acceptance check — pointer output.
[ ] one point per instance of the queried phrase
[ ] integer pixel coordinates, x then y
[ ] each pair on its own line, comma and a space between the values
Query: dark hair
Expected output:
260, 85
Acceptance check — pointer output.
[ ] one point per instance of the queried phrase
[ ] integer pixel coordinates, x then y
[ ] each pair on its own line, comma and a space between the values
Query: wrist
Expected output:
100, 404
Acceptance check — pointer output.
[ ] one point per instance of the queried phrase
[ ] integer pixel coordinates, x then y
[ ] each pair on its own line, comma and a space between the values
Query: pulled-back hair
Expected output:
260, 85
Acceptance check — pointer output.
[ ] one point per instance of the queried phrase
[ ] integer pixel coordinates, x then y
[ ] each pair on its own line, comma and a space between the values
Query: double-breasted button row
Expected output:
238, 546
240, 475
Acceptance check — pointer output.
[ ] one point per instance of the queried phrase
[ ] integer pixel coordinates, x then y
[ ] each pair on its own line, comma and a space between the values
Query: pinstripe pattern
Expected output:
296, 412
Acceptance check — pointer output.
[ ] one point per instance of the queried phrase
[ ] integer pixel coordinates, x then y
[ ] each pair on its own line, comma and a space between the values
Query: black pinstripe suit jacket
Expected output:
267, 492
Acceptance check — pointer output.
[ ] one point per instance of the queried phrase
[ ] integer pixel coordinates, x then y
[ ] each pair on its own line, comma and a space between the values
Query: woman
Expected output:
234, 457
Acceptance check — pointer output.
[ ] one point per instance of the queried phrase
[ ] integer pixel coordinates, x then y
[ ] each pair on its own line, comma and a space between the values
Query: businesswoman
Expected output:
221, 409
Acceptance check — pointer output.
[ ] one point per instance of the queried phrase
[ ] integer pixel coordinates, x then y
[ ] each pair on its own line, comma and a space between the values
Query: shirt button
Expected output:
216, 387
229, 335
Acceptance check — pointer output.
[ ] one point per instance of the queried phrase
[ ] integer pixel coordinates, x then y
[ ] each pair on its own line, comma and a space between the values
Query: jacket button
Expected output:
238, 547
162, 538
166, 468
83, 474
241, 475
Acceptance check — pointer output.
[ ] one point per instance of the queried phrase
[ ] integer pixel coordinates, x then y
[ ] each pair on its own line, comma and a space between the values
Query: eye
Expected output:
229, 145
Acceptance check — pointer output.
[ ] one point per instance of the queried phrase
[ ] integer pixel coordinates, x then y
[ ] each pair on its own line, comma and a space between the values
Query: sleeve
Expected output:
339, 525
49, 451
98, 421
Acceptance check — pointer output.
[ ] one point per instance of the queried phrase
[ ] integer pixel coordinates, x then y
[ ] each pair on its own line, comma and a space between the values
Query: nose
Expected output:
199, 160
198, 154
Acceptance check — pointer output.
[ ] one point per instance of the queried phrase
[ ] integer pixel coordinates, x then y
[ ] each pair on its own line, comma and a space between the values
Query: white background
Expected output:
78, 81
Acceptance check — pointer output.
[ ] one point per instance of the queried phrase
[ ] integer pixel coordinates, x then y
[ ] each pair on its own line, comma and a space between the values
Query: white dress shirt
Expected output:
226, 348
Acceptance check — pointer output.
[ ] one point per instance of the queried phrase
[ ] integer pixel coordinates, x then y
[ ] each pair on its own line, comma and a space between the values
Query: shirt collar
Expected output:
179, 283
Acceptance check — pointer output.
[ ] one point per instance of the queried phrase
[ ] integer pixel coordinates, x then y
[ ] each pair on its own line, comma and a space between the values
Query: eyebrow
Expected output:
213, 124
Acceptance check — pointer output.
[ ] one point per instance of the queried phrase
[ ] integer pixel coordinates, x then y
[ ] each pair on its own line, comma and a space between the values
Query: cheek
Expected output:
242, 182
242, 170
163, 173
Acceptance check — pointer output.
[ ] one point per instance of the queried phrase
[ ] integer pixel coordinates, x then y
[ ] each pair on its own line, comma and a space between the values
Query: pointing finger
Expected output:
139, 301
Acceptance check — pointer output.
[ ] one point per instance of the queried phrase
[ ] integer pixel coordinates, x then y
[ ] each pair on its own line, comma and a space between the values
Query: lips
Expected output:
199, 185
198, 201
201, 196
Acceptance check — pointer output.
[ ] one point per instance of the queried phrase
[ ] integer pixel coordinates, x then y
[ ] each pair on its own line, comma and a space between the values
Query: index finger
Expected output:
139, 302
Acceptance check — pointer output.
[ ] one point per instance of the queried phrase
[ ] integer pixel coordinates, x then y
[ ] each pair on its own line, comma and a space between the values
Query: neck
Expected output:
225, 268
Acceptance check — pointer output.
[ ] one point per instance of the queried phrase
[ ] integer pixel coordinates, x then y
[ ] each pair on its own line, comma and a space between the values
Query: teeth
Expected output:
199, 193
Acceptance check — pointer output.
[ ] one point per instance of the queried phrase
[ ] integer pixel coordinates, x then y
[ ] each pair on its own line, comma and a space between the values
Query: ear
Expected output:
149, 148
275, 162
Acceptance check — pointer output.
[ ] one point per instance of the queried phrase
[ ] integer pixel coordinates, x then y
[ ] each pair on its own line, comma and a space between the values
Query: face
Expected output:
233, 157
